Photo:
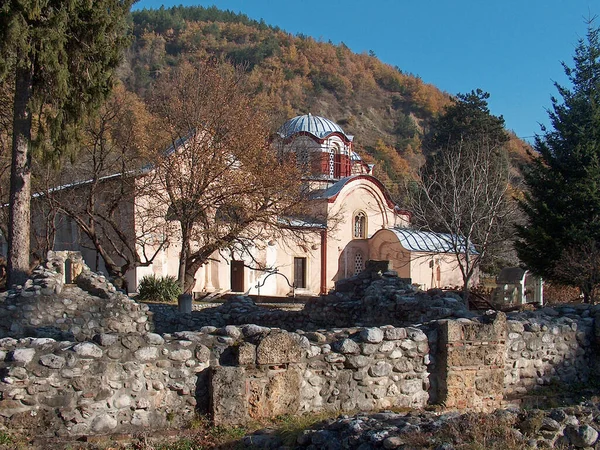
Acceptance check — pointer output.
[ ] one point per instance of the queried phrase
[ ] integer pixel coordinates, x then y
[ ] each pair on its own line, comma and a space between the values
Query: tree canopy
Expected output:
562, 203
220, 182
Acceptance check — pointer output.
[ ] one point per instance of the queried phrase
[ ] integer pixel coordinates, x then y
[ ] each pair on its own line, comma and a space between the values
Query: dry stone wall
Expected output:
116, 383
551, 347
291, 373
368, 299
123, 382
64, 299
81, 363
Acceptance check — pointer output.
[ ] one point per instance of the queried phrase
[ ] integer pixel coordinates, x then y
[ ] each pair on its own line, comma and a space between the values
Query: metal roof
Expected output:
355, 156
298, 222
510, 275
315, 125
427, 241
334, 189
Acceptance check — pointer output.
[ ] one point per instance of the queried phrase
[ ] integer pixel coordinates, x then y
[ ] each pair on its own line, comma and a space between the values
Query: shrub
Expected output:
164, 289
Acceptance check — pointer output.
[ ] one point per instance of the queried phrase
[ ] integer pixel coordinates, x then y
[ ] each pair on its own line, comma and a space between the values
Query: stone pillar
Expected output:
73, 267
266, 382
208, 286
184, 302
472, 359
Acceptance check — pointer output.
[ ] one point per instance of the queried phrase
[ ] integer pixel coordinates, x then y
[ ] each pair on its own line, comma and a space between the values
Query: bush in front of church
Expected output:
159, 289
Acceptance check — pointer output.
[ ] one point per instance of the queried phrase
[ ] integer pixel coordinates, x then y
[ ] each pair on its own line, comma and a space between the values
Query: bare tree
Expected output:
579, 265
221, 181
99, 189
464, 193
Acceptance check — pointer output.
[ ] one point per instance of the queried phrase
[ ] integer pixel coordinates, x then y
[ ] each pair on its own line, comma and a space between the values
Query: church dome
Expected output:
319, 127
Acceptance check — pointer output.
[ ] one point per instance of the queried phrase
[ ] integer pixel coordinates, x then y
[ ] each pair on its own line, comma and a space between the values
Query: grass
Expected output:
289, 427
474, 431
5, 438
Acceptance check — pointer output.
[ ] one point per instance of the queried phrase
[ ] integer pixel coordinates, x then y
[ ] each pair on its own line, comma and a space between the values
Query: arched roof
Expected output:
426, 241
318, 126
330, 194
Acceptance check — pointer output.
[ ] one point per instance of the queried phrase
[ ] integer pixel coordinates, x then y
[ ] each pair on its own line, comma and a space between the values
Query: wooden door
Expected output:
237, 276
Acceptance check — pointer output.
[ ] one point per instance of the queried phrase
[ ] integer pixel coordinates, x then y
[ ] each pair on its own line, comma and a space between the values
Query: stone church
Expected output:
358, 221
368, 225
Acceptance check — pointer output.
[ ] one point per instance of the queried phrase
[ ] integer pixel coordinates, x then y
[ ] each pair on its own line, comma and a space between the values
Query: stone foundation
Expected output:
79, 364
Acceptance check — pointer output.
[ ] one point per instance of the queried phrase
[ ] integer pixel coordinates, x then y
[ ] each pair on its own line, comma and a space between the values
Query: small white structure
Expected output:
517, 286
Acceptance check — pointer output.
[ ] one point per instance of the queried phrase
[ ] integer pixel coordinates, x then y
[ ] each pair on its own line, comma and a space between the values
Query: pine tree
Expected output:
562, 203
467, 118
59, 55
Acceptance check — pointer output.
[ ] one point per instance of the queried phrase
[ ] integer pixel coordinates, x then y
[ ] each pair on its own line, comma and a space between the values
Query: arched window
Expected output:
360, 225
358, 263
303, 159
334, 161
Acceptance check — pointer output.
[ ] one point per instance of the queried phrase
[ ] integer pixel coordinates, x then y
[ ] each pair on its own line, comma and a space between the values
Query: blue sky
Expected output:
510, 48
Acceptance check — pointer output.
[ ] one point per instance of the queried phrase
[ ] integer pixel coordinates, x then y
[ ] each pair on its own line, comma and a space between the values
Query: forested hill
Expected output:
386, 109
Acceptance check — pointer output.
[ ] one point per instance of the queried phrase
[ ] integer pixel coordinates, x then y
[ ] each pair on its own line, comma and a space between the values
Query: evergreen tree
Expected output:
59, 55
468, 118
562, 202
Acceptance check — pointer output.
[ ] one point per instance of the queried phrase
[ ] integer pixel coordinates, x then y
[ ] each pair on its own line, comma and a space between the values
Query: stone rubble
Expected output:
567, 428
46, 306
367, 299
79, 358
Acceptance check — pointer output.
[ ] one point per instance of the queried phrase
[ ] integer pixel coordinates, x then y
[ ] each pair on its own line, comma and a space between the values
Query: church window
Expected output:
358, 263
331, 164
300, 273
302, 159
360, 225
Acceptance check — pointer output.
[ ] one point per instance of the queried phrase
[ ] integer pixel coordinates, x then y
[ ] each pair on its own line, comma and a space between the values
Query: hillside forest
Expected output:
389, 111
392, 114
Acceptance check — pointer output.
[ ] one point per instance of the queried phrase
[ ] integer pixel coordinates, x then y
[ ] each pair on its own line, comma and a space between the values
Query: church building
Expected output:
361, 222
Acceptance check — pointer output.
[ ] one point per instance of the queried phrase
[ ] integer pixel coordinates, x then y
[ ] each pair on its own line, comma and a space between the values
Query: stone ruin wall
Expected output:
552, 347
64, 299
123, 382
110, 378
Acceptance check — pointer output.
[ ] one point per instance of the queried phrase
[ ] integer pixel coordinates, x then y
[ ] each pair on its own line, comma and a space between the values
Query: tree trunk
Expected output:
19, 220
190, 274
466, 281
183, 255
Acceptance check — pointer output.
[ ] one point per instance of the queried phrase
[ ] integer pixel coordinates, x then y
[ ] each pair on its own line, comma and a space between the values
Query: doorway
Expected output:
237, 276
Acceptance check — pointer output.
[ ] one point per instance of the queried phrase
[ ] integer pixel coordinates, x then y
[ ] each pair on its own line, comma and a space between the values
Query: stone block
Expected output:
246, 354
23, 355
88, 350
228, 396
53, 361
381, 369
278, 348
346, 346
371, 335
104, 423
146, 353
395, 334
